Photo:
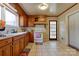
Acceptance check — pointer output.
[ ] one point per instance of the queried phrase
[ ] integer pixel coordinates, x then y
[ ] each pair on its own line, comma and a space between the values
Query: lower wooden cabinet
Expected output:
16, 48
1, 52
7, 50
13, 46
26, 39
31, 37
22, 44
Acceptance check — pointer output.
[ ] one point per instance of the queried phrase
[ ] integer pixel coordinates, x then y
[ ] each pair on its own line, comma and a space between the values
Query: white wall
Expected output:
64, 18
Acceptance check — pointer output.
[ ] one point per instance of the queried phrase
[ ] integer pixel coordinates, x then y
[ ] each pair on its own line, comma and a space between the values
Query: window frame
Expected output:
12, 10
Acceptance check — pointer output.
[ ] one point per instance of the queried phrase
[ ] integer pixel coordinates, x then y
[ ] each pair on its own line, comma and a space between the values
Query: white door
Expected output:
74, 30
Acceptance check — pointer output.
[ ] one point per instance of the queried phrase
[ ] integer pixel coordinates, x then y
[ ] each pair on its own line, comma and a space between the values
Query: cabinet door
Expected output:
26, 39
16, 48
23, 21
7, 50
1, 52
31, 39
21, 44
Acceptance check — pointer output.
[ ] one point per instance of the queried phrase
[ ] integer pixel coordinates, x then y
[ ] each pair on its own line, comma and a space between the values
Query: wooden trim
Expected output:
8, 6
56, 29
43, 15
67, 9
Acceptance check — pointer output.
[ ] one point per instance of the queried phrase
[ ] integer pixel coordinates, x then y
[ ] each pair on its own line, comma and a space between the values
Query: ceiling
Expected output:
54, 9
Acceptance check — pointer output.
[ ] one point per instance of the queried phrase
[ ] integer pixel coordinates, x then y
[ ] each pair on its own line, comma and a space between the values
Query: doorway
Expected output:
52, 30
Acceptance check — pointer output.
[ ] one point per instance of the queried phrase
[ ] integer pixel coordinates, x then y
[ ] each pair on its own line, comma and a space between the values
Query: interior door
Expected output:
53, 30
74, 30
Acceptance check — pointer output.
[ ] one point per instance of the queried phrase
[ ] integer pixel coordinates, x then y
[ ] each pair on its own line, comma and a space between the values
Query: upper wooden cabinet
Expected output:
23, 17
23, 21
32, 20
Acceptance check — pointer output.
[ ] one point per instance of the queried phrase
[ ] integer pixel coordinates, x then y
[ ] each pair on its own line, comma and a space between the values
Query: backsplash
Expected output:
9, 29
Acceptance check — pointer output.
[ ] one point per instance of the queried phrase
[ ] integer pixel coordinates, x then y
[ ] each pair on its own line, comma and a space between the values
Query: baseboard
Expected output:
73, 47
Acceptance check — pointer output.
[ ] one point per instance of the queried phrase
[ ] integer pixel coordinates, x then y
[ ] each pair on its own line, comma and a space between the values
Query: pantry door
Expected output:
52, 30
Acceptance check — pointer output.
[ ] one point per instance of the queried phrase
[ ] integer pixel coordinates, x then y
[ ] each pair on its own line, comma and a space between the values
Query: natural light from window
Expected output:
0, 12
11, 18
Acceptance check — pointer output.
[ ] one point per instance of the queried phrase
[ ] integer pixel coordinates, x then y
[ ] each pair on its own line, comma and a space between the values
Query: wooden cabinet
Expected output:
23, 21
1, 52
33, 20
22, 43
13, 46
31, 37
7, 50
16, 48
19, 44
6, 47
26, 39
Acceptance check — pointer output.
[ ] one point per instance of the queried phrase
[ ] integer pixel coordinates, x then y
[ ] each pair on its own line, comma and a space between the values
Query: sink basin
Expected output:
2, 35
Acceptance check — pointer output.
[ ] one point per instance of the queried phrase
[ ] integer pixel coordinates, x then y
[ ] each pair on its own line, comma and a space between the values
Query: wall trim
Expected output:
67, 9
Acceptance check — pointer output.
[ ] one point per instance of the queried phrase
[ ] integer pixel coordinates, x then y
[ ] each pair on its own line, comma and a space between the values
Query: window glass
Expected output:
11, 18
53, 29
0, 12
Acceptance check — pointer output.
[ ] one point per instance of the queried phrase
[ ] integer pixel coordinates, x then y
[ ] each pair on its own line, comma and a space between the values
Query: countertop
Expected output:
12, 35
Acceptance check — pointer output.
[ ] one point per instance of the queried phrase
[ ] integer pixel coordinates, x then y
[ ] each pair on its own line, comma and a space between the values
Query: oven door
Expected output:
38, 37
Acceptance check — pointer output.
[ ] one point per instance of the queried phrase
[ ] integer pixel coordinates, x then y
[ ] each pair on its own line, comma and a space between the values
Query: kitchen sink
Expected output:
2, 35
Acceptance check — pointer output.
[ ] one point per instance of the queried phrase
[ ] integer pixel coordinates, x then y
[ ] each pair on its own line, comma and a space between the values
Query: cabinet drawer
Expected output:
5, 41
17, 37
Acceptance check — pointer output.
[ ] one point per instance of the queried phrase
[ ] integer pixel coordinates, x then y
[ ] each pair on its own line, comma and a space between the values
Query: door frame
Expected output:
56, 30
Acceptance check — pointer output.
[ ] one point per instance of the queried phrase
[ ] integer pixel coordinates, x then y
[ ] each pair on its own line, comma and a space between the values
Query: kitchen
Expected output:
38, 24
17, 35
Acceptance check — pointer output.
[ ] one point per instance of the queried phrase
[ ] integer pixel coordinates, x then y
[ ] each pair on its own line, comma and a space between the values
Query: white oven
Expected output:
38, 33
38, 37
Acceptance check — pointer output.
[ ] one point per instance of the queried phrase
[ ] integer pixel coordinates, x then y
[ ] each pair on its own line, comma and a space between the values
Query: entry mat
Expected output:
39, 43
25, 52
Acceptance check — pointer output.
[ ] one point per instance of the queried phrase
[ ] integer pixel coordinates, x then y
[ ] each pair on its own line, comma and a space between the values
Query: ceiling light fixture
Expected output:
43, 6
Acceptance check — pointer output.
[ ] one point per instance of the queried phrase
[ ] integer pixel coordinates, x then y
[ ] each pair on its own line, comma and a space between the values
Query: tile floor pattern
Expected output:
53, 48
